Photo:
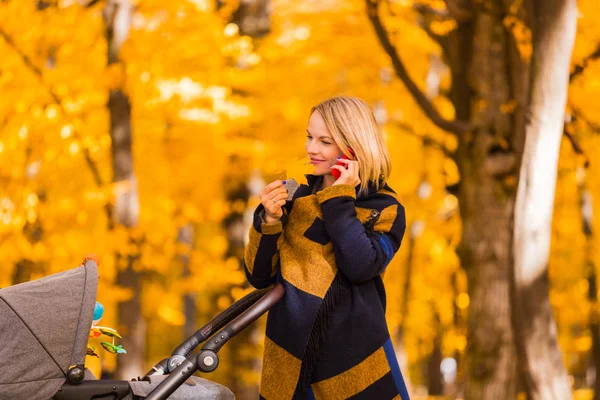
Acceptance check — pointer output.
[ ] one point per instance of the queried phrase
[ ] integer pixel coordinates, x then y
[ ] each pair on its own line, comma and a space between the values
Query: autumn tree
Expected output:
553, 25
125, 213
506, 111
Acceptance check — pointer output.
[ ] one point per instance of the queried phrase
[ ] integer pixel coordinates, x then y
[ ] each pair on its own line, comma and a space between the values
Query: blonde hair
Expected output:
352, 124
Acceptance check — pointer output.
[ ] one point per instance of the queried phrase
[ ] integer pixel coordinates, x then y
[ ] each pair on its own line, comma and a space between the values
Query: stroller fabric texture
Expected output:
44, 328
193, 389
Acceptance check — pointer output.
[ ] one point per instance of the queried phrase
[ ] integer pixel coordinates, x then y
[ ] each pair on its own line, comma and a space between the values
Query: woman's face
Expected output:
321, 149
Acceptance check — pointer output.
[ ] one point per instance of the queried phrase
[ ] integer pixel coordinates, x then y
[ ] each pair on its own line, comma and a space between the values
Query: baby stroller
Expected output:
44, 328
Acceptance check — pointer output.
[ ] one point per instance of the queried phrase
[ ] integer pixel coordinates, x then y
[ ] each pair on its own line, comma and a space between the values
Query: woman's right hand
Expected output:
273, 197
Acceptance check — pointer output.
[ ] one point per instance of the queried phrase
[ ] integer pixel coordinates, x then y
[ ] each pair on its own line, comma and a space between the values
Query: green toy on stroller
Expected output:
44, 328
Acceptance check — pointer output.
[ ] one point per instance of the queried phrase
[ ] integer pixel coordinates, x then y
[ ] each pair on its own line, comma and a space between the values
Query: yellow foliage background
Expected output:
213, 110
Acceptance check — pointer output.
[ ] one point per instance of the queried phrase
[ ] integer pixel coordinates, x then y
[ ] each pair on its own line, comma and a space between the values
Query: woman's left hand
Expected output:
349, 175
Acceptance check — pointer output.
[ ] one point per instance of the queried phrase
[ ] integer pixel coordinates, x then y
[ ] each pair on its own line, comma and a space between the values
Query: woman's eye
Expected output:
327, 143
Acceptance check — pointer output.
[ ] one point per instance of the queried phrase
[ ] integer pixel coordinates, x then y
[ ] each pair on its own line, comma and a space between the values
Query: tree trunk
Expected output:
25, 268
490, 370
481, 50
435, 385
553, 28
185, 237
117, 15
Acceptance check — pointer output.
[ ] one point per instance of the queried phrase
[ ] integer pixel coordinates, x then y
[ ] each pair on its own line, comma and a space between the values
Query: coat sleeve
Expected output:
360, 254
261, 255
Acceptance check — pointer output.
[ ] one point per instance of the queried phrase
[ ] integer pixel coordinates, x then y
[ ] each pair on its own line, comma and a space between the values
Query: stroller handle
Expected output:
248, 317
207, 360
190, 344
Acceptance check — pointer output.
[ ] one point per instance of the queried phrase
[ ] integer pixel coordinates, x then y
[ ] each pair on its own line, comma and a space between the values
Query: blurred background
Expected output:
142, 131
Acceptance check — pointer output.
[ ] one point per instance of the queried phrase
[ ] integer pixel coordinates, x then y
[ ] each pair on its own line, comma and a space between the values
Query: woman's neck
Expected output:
328, 180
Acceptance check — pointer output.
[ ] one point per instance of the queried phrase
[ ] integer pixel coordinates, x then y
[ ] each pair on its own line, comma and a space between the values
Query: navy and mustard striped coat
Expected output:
327, 338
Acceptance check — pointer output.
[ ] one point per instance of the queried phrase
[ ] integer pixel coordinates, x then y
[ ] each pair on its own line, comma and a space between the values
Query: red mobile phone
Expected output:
336, 173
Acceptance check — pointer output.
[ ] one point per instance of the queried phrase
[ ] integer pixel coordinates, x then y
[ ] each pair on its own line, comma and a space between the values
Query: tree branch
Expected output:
33, 68
578, 115
88, 3
427, 141
571, 118
457, 127
457, 11
579, 68
29, 63
576, 146
425, 9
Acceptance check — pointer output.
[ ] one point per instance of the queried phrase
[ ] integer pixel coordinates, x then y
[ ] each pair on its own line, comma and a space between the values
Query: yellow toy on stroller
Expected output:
44, 328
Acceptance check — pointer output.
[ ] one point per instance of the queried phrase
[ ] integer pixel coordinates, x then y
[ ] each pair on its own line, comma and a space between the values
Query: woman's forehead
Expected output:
316, 125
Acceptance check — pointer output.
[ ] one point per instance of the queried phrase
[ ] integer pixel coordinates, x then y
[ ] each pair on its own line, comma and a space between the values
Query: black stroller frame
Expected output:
178, 368
238, 316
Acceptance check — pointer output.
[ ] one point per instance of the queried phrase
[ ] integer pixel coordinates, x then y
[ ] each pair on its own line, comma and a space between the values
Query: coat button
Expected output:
374, 213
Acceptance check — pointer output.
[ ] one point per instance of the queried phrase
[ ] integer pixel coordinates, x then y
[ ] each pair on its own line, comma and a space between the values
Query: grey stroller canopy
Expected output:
44, 328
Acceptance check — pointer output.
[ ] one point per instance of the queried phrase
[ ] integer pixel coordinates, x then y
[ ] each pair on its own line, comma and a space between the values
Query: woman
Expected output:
329, 245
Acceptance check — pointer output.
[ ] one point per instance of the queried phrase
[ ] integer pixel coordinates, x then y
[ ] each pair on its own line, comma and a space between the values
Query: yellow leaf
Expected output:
443, 28
297, 169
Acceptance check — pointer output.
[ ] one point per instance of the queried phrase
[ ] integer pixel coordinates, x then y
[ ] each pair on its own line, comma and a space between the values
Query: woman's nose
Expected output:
311, 147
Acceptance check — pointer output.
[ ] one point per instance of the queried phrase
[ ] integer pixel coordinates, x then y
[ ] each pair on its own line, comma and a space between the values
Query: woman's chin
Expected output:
321, 173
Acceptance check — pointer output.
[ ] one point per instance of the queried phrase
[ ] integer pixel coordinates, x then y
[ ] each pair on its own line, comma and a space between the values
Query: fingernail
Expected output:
339, 158
283, 182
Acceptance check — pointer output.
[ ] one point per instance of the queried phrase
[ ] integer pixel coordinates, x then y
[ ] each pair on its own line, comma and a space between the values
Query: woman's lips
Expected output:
315, 161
